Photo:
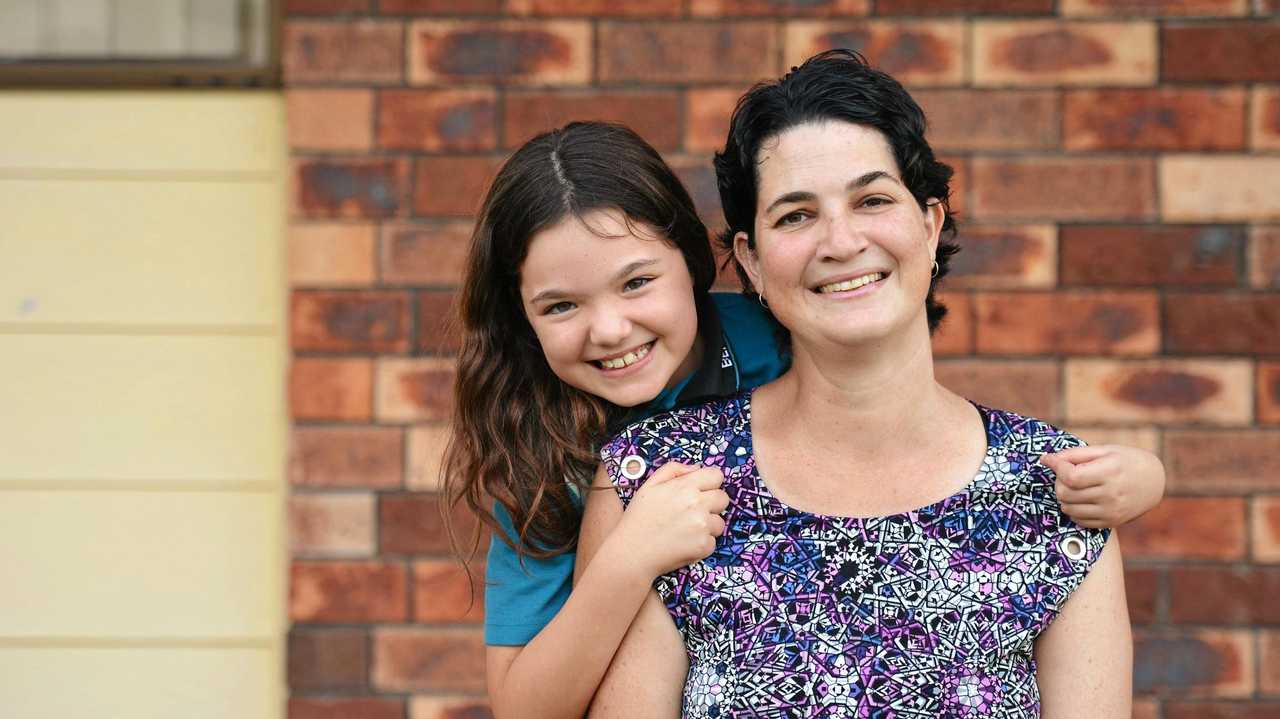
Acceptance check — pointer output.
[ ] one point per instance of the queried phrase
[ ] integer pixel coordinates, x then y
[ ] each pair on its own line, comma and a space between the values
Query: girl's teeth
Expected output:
852, 284
626, 360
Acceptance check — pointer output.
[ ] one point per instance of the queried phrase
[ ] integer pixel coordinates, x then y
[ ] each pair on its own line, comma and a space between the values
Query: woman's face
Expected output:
843, 252
612, 305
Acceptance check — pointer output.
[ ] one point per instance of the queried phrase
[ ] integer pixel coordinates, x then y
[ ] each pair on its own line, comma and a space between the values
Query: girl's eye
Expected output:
636, 283
558, 308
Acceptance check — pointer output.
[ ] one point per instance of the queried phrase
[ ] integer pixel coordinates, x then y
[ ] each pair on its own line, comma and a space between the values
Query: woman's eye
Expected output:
558, 308
876, 202
636, 283
792, 218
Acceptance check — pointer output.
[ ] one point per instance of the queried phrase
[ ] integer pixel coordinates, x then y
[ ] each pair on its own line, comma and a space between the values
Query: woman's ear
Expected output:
746, 257
934, 217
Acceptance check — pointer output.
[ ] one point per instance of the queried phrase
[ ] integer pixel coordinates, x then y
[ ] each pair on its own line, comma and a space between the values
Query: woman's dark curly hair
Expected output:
834, 85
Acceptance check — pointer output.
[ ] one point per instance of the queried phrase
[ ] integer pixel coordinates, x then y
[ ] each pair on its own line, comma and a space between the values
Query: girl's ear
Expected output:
746, 257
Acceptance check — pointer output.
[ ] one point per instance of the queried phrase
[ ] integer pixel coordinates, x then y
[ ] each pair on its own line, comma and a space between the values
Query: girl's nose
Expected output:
609, 327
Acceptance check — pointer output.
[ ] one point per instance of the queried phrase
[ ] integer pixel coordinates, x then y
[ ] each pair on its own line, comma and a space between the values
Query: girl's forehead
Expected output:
590, 251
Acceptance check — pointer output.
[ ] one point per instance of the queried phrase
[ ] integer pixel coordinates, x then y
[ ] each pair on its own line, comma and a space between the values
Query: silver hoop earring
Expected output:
936, 269
761, 300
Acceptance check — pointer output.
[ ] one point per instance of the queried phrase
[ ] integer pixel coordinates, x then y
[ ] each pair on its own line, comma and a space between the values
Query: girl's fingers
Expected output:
1096, 494
706, 479
1077, 455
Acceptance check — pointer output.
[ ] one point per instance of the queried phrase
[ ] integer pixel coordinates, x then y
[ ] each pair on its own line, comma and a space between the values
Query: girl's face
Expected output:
843, 251
612, 305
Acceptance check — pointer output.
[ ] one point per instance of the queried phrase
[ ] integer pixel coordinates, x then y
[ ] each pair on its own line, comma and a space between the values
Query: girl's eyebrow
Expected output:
858, 182
557, 293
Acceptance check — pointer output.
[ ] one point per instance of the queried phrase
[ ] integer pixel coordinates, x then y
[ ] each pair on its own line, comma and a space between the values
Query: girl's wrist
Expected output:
622, 559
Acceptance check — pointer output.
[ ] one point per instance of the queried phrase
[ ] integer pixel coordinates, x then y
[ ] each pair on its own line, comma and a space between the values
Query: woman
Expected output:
890, 548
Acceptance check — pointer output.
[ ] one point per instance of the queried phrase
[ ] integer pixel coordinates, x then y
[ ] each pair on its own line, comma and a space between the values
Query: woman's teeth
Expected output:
626, 360
852, 284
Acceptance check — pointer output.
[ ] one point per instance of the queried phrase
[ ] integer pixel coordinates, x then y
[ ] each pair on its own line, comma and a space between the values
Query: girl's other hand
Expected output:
674, 519
1106, 485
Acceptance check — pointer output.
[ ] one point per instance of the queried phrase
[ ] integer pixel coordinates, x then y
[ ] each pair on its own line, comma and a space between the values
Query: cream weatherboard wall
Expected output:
142, 404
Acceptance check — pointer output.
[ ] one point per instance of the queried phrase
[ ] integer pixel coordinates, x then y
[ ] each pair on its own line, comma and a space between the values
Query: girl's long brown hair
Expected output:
520, 436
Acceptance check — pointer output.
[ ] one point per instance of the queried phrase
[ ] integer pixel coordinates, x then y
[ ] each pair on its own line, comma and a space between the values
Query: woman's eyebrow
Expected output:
856, 183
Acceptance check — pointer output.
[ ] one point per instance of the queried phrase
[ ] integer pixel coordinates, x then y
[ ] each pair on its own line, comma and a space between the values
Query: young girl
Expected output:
587, 305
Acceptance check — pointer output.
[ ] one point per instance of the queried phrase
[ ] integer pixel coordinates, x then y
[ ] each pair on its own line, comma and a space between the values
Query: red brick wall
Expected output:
1118, 170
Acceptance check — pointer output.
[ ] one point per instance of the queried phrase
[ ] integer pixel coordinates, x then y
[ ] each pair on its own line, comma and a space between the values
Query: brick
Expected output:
1220, 52
421, 707
331, 254
1207, 188
426, 253
964, 7
1145, 709
462, 120
1120, 323
328, 659
428, 660
427, 443
1141, 437
1142, 590
1188, 528
414, 390
1268, 394
414, 524
1029, 387
1047, 53
443, 52
1266, 118
1188, 255
451, 186
439, 329
331, 525
660, 52
356, 189
1222, 323
1063, 188
1264, 519
1160, 391
1165, 8
1224, 595
1220, 710
707, 113
1005, 257
440, 7
654, 115
962, 120
1216, 663
1269, 658
359, 51
343, 592
444, 592
1264, 257
699, 178
1223, 462
338, 120
916, 53
1156, 119
362, 321
355, 457
330, 389
779, 8
366, 708
595, 8
325, 7
955, 335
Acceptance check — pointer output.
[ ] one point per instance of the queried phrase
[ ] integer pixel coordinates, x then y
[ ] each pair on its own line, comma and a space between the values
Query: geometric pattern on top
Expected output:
928, 613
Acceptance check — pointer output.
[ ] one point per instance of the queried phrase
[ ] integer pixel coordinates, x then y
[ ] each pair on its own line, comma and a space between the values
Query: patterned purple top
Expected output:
929, 613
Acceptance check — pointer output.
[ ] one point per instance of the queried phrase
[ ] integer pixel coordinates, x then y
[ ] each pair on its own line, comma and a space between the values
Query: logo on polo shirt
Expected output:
726, 359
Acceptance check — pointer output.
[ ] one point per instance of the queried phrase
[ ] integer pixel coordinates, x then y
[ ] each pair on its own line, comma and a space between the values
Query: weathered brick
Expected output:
1220, 52
1268, 395
779, 8
1191, 255
917, 53
349, 591
1266, 118
331, 525
1123, 323
1145, 708
363, 708
1005, 257
329, 119
1264, 520
360, 51
1046, 52
1269, 659
1183, 528
964, 7
440, 7
955, 335
1208, 188
1130, 8
1147, 438
331, 254
1155, 119
1222, 323
414, 524
595, 8
1029, 387
425, 253
328, 659
462, 120
655, 115
363, 321
1224, 595
699, 178
330, 389
439, 329
1094, 188
1220, 710
428, 660
1142, 590
552, 52
451, 186
425, 457
1160, 391
357, 457
961, 120
358, 189
414, 390
1223, 462
1264, 257
423, 707
444, 592
687, 52
1218, 663
707, 113
325, 7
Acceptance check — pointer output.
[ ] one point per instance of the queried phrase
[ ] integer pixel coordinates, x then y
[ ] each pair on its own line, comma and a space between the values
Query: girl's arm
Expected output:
670, 524
1106, 485
1085, 657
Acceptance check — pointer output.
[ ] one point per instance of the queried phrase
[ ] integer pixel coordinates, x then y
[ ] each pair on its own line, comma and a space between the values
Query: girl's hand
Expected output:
1106, 485
674, 519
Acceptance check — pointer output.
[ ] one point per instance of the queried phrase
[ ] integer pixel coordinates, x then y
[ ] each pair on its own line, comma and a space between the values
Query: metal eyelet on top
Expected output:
1074, 547
633, 467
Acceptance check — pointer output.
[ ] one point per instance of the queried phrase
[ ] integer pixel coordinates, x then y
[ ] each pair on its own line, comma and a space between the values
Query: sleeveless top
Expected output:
927, 613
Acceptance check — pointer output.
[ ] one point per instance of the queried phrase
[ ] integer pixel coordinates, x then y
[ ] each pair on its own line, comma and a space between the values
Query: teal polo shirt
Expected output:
741, 352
